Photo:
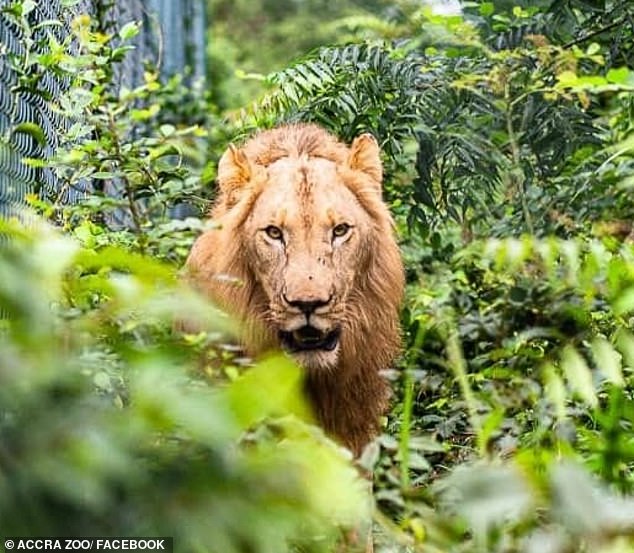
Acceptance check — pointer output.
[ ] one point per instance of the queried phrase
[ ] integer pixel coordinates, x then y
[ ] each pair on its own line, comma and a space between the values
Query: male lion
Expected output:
304, 254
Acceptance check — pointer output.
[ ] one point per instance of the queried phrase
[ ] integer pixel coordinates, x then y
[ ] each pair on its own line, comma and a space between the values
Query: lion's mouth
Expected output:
309, 338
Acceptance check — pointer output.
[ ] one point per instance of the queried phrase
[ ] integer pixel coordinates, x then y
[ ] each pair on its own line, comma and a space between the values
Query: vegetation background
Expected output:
507, 136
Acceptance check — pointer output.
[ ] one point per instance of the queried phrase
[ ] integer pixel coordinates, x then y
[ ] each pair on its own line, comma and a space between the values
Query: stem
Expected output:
405, 429
517, 174
595, 33
129, 192
459, 369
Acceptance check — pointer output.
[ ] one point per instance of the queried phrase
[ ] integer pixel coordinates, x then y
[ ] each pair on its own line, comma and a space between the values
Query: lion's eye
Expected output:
340, 230
274, 232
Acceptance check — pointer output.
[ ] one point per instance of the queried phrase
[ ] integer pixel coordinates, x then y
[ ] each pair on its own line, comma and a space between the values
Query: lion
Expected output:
304, 254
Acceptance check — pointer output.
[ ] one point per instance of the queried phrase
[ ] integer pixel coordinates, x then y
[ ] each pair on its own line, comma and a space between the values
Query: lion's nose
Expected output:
306, 306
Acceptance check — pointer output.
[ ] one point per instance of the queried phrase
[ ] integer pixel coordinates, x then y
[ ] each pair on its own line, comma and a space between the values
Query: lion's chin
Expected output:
317, 360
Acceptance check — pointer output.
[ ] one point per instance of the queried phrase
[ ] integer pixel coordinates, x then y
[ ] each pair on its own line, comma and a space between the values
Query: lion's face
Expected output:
302, 228
307, 237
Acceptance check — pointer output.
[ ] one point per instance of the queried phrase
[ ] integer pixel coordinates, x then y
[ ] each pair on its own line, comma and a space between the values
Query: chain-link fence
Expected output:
172, 37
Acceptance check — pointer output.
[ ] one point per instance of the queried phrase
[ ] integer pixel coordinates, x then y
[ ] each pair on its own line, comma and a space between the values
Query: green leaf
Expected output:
555, 390
162, 151
620, 75
118, 54
486, 495
578, 501
84, 233
625, 343
102, 380
486, 9
571, 255
129, 30
167, 130
491, 424
33, 130
578, 375
567, 78
27, 7
35, 162
272, 388
105, 175
148, 270
608, 360
589, 506
624, 303
161, 397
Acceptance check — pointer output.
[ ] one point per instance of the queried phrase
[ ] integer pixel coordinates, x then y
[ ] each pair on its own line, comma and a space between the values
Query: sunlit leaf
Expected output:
33, 130
129, 30
578, 375
625, 344
620, 75
608, 360
273, 387
486, 495
624, 303
555, 390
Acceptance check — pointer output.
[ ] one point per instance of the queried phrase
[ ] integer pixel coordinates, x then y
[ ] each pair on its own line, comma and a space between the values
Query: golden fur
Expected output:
301, 222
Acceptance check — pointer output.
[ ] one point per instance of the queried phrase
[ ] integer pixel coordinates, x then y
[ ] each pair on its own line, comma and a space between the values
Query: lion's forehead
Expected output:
306, 191
309, 173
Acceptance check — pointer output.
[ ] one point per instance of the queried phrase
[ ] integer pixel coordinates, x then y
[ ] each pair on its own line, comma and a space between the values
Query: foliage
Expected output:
510, 124
130, 145
519, 355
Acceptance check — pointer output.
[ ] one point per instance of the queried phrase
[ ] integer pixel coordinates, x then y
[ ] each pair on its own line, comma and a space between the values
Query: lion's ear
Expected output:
365, 156
234, 172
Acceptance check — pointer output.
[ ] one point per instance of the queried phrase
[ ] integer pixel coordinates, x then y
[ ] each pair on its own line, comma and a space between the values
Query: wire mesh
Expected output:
172, 35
